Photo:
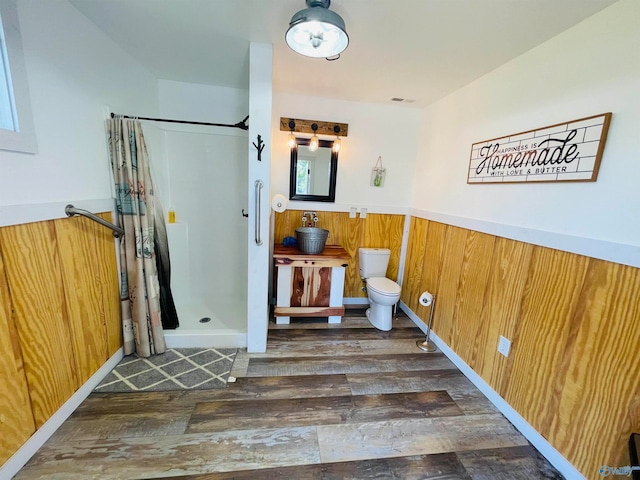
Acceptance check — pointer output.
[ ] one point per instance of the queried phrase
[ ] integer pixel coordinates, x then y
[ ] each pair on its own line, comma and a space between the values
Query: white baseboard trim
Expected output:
355, 301
538, 441
31, 446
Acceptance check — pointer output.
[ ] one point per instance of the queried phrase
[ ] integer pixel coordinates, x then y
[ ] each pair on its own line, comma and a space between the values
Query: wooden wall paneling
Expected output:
395, 233
431, 264
501, 307
16, 419
81, 275
534, 375
34, 276
602, 374
574, 367
376, 233
472, 285
413, 262
384, 231
347, 232
108, 286
280, 226
376, 230
450, 269
620, 455
334, 222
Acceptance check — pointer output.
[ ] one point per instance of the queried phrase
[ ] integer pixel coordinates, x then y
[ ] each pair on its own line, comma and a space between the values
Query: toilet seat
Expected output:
383, 286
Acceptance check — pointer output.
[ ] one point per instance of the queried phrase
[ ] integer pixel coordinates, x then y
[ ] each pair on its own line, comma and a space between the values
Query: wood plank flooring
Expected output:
324, 402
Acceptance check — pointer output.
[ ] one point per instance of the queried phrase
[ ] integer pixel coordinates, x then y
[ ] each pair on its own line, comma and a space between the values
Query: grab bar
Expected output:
70, 210
259, 185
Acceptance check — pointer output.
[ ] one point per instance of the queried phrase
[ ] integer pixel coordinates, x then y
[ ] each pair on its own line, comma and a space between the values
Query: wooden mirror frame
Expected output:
331, 197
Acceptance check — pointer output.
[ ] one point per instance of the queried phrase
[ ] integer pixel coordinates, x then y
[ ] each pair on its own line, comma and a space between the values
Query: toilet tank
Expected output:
373, 262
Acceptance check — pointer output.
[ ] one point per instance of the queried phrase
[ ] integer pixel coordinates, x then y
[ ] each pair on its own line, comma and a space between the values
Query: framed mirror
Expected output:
313, 174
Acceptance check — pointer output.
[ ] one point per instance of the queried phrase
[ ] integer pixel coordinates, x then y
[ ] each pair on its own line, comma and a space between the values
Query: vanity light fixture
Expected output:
317, 32
337, 142
292, 138
314, 143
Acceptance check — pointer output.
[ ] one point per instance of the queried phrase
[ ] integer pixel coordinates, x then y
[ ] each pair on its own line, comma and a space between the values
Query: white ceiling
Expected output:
413, 49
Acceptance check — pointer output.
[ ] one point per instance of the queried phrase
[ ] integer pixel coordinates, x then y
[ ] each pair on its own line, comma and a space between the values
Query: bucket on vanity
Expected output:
311, 239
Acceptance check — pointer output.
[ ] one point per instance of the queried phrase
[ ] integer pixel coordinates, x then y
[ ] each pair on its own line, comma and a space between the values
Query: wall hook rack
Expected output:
259, 147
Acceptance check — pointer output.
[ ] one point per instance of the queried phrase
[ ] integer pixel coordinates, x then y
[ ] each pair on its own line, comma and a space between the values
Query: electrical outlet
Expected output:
353, 211
504, 344
363, 213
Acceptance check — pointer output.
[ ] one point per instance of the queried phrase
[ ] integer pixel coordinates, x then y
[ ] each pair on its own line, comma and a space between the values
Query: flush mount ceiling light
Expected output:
316, 31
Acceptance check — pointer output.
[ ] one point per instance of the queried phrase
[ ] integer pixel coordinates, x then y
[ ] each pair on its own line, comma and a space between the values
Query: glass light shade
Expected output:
314, 143
317, 32
291, 140
337, 143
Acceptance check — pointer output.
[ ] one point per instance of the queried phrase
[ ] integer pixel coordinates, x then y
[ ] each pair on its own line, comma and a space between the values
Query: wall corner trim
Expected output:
538, 441
624, 254
19, 459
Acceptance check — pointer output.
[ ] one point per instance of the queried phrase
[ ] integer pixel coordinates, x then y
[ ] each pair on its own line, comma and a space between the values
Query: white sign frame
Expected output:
565, 152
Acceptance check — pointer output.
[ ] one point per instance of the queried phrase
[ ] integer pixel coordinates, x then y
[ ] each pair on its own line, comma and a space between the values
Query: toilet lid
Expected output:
383, 286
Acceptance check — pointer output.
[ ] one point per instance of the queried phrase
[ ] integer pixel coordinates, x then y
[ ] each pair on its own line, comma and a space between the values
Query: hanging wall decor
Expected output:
565, 152
378, 173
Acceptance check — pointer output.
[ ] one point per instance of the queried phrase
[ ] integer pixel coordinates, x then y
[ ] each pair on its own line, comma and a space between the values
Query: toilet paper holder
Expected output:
427, 345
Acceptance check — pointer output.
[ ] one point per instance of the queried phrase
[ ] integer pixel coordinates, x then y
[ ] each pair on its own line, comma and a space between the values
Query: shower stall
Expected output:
201, 174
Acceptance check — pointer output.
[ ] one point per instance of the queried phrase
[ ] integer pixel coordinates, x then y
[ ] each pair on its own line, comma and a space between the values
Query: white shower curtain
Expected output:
136, 205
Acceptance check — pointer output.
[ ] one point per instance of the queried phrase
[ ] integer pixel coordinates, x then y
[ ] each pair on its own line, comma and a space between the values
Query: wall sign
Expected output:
566, 152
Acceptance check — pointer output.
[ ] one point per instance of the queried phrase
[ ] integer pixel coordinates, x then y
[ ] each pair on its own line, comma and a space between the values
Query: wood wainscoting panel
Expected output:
501, 307
415, 257
346, 232
535, 374
81, 275
33, 271
603, 368
431, 264
470, 297
16, 420
384, 231
450, 270
573, 371
108, 286
376, 231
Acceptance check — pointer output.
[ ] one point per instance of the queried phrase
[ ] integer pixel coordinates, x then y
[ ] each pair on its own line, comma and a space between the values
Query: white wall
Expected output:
201, 172
203, 103
590, 69
389, 131
73, 71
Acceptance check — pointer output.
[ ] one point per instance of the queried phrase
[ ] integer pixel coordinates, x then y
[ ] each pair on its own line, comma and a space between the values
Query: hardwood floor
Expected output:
330, 402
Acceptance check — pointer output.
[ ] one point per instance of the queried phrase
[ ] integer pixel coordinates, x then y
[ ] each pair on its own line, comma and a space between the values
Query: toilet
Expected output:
383, 293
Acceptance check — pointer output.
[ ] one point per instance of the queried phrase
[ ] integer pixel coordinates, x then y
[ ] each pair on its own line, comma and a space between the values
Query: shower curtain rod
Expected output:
242, 124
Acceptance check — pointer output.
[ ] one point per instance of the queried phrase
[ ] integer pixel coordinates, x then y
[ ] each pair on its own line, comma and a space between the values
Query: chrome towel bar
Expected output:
70, 210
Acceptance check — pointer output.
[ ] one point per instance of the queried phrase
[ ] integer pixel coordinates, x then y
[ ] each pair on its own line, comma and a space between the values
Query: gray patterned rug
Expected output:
175, 369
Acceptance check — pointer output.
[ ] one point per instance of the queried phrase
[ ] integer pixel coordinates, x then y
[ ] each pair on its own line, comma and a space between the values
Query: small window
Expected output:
8, 117
16, 125
303, 177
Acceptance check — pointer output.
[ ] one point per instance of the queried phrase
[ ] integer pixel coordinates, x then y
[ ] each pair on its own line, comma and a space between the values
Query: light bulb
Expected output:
292, 140
314, 143
337, 143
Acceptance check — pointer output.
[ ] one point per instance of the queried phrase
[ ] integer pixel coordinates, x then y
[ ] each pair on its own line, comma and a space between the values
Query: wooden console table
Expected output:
310, 285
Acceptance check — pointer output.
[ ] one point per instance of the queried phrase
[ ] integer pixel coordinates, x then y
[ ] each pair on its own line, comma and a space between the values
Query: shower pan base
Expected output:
227, 327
